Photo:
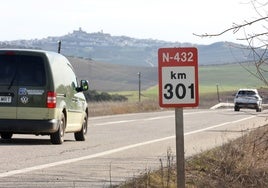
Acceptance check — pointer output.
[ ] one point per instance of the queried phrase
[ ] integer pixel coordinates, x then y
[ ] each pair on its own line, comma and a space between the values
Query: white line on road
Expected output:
44, 166
39, 167
219, 125
113, 122
160, 117
147, 119
132, 120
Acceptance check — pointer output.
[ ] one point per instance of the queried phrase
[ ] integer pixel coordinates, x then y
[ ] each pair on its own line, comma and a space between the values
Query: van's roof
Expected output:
21, 50
49, 54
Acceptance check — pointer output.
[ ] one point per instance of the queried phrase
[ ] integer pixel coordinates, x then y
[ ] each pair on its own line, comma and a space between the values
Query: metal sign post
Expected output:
180, 148
178, 87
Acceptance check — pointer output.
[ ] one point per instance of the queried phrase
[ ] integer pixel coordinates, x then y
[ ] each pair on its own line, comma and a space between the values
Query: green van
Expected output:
39, 94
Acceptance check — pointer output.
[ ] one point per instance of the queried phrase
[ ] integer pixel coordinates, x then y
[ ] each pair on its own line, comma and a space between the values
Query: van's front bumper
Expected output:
23, 126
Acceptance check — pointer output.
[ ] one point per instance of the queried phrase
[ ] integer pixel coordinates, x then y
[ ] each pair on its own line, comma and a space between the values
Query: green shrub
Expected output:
93, 95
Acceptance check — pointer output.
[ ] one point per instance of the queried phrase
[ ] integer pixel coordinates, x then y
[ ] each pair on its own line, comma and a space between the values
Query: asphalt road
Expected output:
118, 147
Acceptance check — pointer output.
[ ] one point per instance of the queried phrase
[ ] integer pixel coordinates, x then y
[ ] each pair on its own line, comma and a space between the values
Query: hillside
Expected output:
113, 77
103, 47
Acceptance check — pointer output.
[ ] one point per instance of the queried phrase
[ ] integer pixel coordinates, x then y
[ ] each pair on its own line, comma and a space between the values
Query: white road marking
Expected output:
40, 167
132, 120
113, 122
157, 118
219, 125
44, 166
147, 119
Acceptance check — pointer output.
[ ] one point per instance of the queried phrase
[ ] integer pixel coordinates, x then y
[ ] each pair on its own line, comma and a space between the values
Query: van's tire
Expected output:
6, 135
81, 135
236, 108
259, 109
58, 136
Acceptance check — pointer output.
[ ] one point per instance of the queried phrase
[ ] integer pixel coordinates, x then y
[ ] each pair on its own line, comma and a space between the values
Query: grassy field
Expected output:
228, 78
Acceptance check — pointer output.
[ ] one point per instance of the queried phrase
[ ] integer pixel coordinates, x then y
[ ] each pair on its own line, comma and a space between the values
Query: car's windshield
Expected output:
21, 70
246, 92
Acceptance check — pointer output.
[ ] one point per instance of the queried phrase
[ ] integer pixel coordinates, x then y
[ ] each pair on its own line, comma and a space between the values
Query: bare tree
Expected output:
256, 35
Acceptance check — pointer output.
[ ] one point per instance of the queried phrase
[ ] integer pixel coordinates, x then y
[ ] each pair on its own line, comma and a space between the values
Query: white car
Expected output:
248, 98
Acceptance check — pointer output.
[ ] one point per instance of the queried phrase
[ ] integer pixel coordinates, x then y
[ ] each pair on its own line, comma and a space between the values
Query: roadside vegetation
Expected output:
94, 96
240, 163
112, 108
149, 102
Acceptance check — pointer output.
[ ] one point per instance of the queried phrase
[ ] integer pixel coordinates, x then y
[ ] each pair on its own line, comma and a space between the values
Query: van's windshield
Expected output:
22, 70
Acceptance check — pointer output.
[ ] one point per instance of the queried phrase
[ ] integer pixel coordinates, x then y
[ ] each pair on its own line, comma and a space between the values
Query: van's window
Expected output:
7, 70
22, 70
63, 73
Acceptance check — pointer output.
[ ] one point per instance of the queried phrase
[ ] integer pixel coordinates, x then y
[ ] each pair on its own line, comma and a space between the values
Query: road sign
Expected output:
178, 77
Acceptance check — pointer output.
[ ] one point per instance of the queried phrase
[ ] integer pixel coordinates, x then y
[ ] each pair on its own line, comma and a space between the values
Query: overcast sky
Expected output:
170, 20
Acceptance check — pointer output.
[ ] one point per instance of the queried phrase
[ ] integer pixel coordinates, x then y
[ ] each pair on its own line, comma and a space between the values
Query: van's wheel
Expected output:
58, 136
6, 135
81, 135
258, 109
236, 108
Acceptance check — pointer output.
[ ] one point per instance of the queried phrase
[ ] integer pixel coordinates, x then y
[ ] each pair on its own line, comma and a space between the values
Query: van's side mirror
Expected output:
83, 86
